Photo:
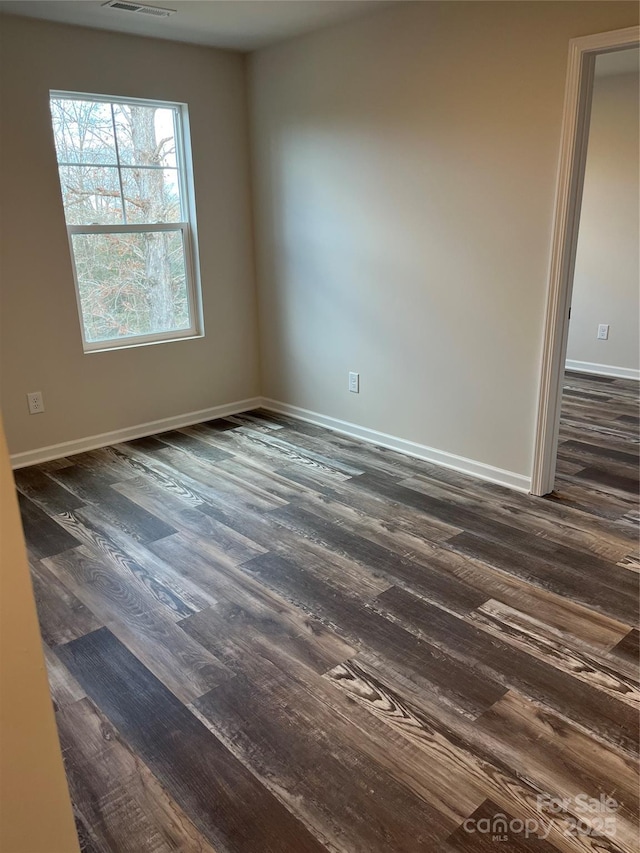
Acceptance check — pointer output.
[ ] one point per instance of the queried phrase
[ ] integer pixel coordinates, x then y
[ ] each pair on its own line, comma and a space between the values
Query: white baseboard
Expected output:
410, 448
91, 442
421, 451
602, 369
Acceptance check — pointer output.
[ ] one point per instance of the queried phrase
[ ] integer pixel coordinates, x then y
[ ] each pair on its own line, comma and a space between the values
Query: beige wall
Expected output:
35, 810
41, 347
605, 287
405, 169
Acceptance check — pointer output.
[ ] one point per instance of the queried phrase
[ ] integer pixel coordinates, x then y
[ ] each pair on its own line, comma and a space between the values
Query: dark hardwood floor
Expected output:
264, 637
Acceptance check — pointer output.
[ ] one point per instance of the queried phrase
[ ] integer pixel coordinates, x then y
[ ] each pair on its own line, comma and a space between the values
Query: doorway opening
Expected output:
583, 55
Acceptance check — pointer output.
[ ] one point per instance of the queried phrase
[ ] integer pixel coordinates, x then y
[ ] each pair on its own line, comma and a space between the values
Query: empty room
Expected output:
319, 382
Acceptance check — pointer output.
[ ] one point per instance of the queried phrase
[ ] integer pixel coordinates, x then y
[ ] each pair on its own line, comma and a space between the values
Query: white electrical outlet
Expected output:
36, 403
354, 383
603, 332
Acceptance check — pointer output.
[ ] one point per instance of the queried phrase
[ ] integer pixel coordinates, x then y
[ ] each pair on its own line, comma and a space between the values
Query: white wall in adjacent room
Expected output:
606, 287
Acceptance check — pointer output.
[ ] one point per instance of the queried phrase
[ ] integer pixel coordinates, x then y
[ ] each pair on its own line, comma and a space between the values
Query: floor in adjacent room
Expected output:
264, 636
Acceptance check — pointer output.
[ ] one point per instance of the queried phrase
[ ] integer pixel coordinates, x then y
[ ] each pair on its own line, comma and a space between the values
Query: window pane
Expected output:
151, 195
131, 284
91, 195
146, 135
83, 131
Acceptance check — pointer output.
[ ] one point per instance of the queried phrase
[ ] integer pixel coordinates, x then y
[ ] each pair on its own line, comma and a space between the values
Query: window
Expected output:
127, 203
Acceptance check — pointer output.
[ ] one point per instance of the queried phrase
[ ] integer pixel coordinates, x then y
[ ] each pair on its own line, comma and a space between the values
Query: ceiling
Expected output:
618, 62
237, 24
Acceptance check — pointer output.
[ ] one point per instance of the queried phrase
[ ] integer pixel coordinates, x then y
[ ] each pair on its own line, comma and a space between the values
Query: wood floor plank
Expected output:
363, 545
147, 444
44, 536
95, 488
216, 485
482, 768
50, 496
218, 425
594, 709
554, 511
62, 616
220, 796
345, 496
611, 590
531, 521
266, 531
565, 466
367, 457
102, 462
571, 493
64, 689
191, 445
53, 464
486, 582
258, 618
258, 422
442, 785
184, 666
376, 523
603, 477
168, 585
159, 474
562, 757
98, 536
618, 439
294, 450
200, 521
595, 452
125, 805
576, 410
628, 650
183, 517
516, 629
275, 481
437, 671
266, 456
270, 445
580, 410
293, 742
477, 521
192, 480
445, 788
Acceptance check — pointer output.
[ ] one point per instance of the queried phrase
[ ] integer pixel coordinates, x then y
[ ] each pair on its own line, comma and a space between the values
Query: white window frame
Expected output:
187, 227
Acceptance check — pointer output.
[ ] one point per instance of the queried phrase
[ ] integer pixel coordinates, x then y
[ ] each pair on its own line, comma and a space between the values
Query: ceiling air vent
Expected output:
156, 11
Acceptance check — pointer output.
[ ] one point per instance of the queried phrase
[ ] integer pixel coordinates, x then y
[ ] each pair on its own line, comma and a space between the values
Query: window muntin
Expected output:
126, 200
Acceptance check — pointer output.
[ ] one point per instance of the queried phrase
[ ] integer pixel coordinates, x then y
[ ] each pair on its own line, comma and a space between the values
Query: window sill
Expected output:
114, 347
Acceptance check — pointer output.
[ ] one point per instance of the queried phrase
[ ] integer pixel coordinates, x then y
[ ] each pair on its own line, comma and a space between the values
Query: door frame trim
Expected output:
573, 150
